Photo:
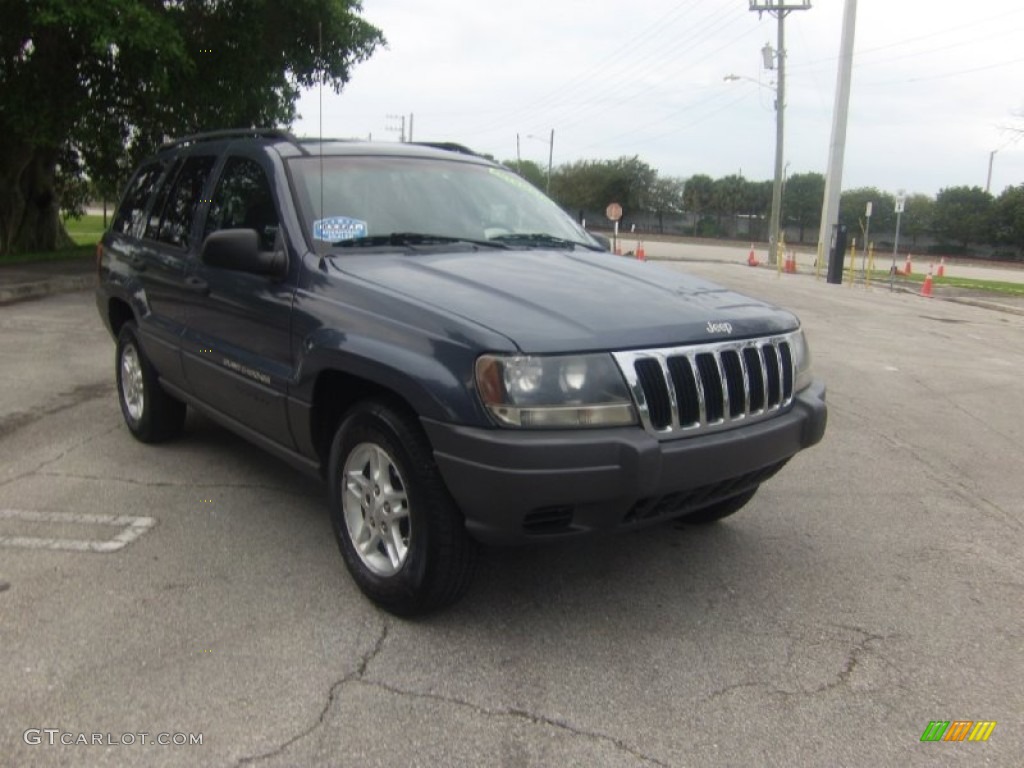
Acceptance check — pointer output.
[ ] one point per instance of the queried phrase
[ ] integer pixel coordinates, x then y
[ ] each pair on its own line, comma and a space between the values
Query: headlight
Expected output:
801, 360
554, 392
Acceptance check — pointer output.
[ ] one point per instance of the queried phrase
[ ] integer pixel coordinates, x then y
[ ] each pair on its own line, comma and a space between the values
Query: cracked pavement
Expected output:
872, 586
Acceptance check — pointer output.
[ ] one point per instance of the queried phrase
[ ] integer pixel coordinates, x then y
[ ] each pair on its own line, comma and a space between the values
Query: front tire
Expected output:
151, 414
399, 531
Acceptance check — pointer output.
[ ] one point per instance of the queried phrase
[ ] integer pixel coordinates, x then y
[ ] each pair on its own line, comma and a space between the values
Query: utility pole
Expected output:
394, 126
780, 9
551, 152
837, 148
410, 125
551, 156
988, 180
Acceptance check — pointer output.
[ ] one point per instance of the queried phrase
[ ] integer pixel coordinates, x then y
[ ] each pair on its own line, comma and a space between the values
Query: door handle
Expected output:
197, 285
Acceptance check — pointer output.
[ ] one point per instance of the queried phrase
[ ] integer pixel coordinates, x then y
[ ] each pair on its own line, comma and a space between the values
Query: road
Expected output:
873, 586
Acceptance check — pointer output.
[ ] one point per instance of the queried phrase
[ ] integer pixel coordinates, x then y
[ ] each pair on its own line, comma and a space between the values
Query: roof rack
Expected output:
230, 133
450, 146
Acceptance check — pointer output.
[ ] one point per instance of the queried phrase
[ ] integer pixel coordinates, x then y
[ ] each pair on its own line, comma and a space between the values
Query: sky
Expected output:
936, 87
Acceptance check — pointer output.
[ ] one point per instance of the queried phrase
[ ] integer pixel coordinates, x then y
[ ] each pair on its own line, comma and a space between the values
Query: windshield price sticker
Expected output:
338, 228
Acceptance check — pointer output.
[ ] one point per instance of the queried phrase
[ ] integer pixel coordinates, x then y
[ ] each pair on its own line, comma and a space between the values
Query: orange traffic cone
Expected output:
907, 266
941, 271
641, 254
752, 257
791, 262
926, 289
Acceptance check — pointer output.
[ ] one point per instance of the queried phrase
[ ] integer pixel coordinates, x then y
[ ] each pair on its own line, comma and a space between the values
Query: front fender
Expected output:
436, 381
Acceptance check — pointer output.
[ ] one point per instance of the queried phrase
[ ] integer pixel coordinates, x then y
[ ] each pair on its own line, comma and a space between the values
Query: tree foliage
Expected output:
590, 185
963, 215
530, 171
802, 200
87, 87
1008, 218
918, 215
853, 211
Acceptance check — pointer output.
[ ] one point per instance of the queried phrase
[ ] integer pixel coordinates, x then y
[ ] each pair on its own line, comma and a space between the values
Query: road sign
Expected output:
613, 211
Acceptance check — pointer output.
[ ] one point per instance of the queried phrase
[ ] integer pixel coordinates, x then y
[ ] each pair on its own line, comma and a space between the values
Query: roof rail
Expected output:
230, 133
450, 146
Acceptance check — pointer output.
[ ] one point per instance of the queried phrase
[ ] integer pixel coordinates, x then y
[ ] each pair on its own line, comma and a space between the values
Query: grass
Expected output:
85, 232
76, 253
989, 286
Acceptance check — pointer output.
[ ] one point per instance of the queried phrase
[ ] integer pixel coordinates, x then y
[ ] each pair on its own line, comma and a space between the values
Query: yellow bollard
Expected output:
871, 265
853, 258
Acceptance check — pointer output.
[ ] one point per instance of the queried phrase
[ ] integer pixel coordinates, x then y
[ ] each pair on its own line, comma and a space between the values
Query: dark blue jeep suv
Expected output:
454, 355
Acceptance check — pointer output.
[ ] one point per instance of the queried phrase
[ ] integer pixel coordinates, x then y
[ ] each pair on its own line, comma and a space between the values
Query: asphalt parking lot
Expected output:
873, 586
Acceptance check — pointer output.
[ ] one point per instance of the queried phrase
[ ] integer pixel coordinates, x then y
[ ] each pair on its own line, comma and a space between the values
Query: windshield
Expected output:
374, 198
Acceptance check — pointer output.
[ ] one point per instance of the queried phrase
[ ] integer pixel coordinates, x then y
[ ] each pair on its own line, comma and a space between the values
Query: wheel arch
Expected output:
119, 312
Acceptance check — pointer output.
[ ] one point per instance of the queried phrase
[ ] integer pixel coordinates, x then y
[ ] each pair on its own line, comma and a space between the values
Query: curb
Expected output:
41, 288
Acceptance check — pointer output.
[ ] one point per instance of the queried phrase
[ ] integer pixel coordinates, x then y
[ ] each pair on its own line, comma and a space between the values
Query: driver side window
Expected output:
243, 200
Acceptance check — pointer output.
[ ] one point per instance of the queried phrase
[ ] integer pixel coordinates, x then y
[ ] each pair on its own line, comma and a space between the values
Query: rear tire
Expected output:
151, 414
719, 510
401, 535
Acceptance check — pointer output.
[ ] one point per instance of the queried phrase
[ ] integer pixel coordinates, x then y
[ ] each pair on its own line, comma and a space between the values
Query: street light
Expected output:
774, 225
734, 77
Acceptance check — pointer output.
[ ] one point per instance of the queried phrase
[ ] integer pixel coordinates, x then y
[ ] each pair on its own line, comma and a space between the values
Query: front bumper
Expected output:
516, 486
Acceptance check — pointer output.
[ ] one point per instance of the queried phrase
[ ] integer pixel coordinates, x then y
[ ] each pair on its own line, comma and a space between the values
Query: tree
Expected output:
918, 214
728, 195
590, 185
530, 171
87, 87
802, 200
757, 204
853, 211
697, 196
963, 215
666, 198
1008, 218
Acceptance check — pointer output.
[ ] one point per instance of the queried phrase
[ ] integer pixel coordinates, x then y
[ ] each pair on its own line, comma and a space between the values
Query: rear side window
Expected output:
131, 215
183, 201
243, 200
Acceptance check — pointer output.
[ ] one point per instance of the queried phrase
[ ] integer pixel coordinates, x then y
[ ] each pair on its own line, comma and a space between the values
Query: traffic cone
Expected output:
907, 266
791, 262
926, 289
941, 271
641, 254
752, 257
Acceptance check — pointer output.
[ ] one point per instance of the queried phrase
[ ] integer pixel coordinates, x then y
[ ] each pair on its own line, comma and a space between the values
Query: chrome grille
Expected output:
680, 391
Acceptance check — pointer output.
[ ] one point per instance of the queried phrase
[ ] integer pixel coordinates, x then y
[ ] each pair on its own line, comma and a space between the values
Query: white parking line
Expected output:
133, 528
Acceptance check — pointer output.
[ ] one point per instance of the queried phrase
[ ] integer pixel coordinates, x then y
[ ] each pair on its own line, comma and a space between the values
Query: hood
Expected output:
556, 301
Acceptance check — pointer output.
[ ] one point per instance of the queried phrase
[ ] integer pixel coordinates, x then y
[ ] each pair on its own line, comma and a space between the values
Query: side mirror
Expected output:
239, 250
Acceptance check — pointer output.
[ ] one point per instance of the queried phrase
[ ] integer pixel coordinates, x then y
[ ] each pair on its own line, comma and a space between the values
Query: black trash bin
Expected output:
836, 254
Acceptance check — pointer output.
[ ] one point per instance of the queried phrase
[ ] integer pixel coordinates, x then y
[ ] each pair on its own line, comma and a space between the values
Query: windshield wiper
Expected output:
543, 240
411, 238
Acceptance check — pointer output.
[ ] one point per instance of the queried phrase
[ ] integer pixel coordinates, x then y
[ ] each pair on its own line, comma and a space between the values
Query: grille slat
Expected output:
694, 389
685, 385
